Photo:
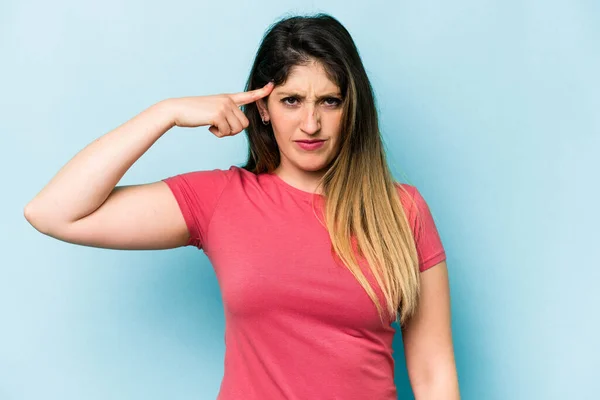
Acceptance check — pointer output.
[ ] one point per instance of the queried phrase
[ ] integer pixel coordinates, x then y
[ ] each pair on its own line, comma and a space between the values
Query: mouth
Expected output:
309, 145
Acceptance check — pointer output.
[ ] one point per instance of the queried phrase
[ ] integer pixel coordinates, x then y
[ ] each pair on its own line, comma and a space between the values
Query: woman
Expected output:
317, 250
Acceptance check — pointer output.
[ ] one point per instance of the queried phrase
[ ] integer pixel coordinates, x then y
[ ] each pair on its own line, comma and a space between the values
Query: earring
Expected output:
263, 120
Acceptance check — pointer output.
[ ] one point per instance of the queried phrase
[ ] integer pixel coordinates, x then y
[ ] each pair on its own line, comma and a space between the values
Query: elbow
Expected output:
35, 219
28, 213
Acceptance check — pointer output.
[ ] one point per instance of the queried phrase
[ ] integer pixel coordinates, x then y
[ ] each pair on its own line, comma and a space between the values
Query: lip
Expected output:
310, 144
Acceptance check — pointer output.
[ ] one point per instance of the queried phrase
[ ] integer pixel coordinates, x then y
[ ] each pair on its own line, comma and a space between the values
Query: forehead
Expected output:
308, 78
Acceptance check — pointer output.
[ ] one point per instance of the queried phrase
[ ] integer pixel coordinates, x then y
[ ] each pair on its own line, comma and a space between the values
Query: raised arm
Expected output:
81, 204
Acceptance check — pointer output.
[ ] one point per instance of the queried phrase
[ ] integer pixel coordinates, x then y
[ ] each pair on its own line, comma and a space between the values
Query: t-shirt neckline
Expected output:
292, 189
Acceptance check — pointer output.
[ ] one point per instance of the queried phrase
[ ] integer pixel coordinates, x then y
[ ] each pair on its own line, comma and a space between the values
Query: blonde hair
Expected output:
363, 209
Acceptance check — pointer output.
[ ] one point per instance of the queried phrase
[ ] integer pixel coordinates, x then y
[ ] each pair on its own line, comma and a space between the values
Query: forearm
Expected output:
85, 182
439, 387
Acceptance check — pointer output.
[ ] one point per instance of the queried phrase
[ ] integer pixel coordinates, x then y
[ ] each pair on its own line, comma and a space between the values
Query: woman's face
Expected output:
307, 107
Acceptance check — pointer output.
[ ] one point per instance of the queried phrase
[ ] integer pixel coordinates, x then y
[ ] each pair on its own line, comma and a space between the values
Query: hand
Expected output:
220, 111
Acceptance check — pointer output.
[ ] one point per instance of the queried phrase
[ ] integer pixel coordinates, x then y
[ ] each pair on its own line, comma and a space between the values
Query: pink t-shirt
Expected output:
298, 324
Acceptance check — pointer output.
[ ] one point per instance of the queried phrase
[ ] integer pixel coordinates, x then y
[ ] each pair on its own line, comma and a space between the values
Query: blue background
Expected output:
491, 108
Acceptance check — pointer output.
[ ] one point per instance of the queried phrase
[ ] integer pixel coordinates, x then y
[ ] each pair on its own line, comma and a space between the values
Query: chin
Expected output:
314, 166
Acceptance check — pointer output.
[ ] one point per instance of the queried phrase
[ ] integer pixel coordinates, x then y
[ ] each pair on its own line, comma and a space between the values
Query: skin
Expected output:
308, 106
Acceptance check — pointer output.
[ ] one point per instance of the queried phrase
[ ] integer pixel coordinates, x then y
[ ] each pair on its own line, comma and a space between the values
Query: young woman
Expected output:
316, 248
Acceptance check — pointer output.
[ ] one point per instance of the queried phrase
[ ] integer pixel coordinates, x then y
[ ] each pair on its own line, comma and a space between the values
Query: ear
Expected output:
263, 109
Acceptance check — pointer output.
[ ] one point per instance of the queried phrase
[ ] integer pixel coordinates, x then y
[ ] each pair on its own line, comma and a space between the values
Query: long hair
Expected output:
363, 211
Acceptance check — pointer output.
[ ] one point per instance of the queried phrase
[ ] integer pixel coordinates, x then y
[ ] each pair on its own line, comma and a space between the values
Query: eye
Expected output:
336, 101
329, 101
285, 100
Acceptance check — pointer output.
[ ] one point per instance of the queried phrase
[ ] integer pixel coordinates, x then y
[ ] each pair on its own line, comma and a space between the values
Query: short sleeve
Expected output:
427, 239
197, 194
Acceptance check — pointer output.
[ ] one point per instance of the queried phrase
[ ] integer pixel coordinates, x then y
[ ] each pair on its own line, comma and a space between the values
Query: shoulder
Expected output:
202, 184
214, 175
233, 180
427, 239
408, 196
414, 204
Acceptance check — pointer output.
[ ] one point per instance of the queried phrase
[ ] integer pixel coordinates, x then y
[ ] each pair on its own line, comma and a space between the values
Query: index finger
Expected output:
252, 95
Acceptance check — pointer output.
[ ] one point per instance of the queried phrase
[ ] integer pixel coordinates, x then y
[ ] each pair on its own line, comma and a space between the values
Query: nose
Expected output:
310, 120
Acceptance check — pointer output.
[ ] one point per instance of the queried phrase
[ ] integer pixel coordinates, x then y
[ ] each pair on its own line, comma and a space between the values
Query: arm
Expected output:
82, 205
427, 340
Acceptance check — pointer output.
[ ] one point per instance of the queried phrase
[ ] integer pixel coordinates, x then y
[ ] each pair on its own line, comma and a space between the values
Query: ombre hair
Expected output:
363, 211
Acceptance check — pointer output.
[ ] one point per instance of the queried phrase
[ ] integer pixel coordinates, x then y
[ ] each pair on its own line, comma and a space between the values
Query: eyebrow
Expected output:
294, 94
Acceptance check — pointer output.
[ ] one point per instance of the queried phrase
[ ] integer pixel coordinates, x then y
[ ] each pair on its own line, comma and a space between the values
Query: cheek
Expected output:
284, 124
335, 124
280, 113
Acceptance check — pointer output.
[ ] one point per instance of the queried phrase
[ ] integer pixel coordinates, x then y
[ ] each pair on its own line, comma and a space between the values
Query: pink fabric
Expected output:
298, 324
